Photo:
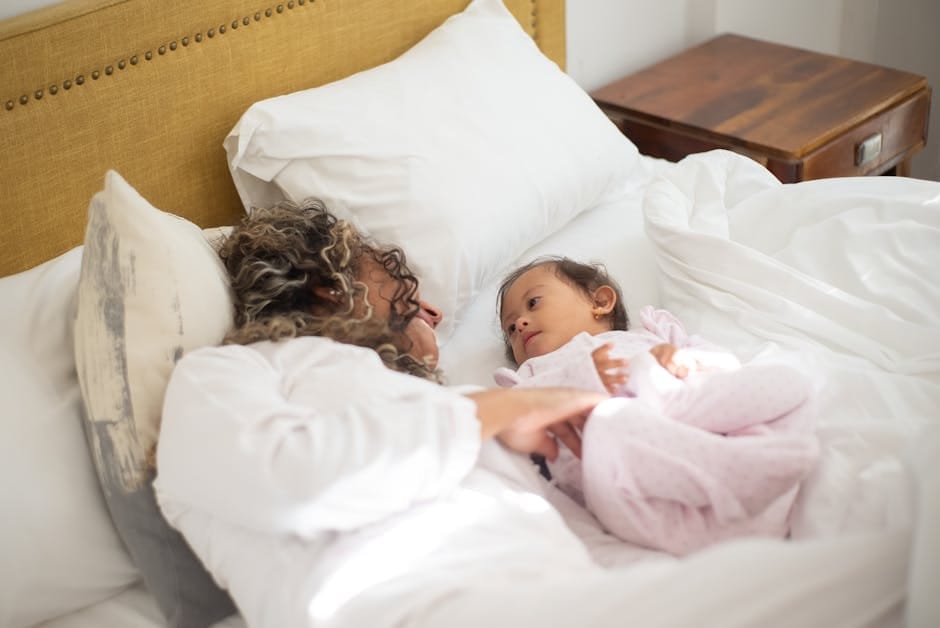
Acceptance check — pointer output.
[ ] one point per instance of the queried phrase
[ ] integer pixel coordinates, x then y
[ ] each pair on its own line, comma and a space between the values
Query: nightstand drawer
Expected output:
875, 145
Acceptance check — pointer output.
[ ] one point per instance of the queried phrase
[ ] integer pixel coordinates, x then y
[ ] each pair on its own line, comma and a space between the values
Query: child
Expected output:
694, 448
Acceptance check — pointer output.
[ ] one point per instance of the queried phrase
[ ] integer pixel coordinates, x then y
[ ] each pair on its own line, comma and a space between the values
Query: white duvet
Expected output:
847, 272
844, 270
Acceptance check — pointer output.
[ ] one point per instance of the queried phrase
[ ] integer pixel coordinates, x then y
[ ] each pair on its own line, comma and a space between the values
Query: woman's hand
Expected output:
612, 371
533, 420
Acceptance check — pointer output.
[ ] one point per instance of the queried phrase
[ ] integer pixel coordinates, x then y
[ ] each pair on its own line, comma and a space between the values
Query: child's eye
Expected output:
510, 329
533, 301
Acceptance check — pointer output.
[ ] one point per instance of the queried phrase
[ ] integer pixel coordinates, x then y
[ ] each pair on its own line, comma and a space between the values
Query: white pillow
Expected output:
466, 150
60, 550
152, 288
612, 234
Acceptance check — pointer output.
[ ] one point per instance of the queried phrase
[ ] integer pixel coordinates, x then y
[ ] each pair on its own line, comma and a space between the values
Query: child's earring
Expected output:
597, 315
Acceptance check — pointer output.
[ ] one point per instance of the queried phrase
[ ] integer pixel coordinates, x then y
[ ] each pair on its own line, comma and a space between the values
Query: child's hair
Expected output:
586, 277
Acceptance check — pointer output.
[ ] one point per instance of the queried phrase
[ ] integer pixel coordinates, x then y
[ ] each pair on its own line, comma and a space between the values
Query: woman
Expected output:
323, 414
326, 479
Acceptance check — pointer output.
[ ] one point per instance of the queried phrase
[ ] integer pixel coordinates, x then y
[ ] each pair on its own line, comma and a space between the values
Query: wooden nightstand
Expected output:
802, 114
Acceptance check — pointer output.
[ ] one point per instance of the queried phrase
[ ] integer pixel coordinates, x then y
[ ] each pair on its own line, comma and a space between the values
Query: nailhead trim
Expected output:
11, 103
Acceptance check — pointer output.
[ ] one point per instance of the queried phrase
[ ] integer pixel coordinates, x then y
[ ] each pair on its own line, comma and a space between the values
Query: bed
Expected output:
136, 132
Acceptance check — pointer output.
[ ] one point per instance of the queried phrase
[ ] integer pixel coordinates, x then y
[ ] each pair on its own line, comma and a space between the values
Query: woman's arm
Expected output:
308, 435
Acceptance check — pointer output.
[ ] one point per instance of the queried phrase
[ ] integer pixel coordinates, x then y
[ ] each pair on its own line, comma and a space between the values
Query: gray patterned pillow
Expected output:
151, 288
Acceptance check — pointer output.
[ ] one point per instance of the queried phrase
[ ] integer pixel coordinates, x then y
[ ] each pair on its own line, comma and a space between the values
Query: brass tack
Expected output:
267, 12
222, 29
38, 94
109, 70
95, 74
246, 21
134, 60
162, 49
211, 32
24, 99
185, 41
280, 8
300, 2
9, 105
290, 5
148, 55
173, 45
53, 89
198, 37
234, 24
79, 80
258, 16
67, 84
122, 64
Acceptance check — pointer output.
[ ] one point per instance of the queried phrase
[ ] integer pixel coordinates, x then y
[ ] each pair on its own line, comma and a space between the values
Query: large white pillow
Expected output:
465, 150
59, 549
152, 288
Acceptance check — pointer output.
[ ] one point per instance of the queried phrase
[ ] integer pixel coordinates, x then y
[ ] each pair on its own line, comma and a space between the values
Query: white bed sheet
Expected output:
612, 234
134, 607
759, 267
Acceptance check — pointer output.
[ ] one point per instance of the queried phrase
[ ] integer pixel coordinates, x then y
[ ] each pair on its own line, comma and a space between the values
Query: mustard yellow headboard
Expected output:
150, 88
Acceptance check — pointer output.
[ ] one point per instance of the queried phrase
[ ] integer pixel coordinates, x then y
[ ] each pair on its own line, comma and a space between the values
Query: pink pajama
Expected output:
679, 464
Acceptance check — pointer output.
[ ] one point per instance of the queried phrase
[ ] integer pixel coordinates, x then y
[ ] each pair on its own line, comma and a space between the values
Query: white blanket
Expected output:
843, 271
848, 271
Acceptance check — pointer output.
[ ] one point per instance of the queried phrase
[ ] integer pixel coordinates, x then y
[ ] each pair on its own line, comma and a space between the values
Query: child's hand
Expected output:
612, 371
665, 354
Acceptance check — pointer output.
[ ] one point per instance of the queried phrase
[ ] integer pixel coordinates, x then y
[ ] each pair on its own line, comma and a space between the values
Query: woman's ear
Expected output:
328, 294
604, 299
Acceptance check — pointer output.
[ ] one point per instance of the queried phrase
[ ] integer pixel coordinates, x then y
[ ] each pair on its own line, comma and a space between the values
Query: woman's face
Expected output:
420, 330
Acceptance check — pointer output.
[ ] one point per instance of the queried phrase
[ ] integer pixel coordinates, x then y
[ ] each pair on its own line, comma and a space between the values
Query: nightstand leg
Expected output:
903, 169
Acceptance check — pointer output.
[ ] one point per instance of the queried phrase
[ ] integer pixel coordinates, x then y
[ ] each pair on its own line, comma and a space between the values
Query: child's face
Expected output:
541, 312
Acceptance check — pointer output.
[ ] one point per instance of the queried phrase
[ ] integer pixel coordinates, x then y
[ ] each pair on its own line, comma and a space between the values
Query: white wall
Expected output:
607, 39
15, 7
784, 22
610, 38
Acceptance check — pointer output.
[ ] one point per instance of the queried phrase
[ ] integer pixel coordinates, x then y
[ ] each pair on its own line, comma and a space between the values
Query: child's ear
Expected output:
604, 298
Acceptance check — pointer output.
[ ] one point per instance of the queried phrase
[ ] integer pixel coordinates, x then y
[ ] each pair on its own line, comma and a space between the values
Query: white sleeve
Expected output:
307, 435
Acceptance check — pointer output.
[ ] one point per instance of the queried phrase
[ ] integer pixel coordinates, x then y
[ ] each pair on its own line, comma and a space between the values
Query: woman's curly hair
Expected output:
279, 255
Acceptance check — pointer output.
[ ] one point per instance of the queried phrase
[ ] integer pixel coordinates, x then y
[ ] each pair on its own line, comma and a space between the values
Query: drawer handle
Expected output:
868, 149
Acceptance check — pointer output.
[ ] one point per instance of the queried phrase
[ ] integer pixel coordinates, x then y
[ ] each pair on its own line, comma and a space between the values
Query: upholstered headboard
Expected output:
152, 88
